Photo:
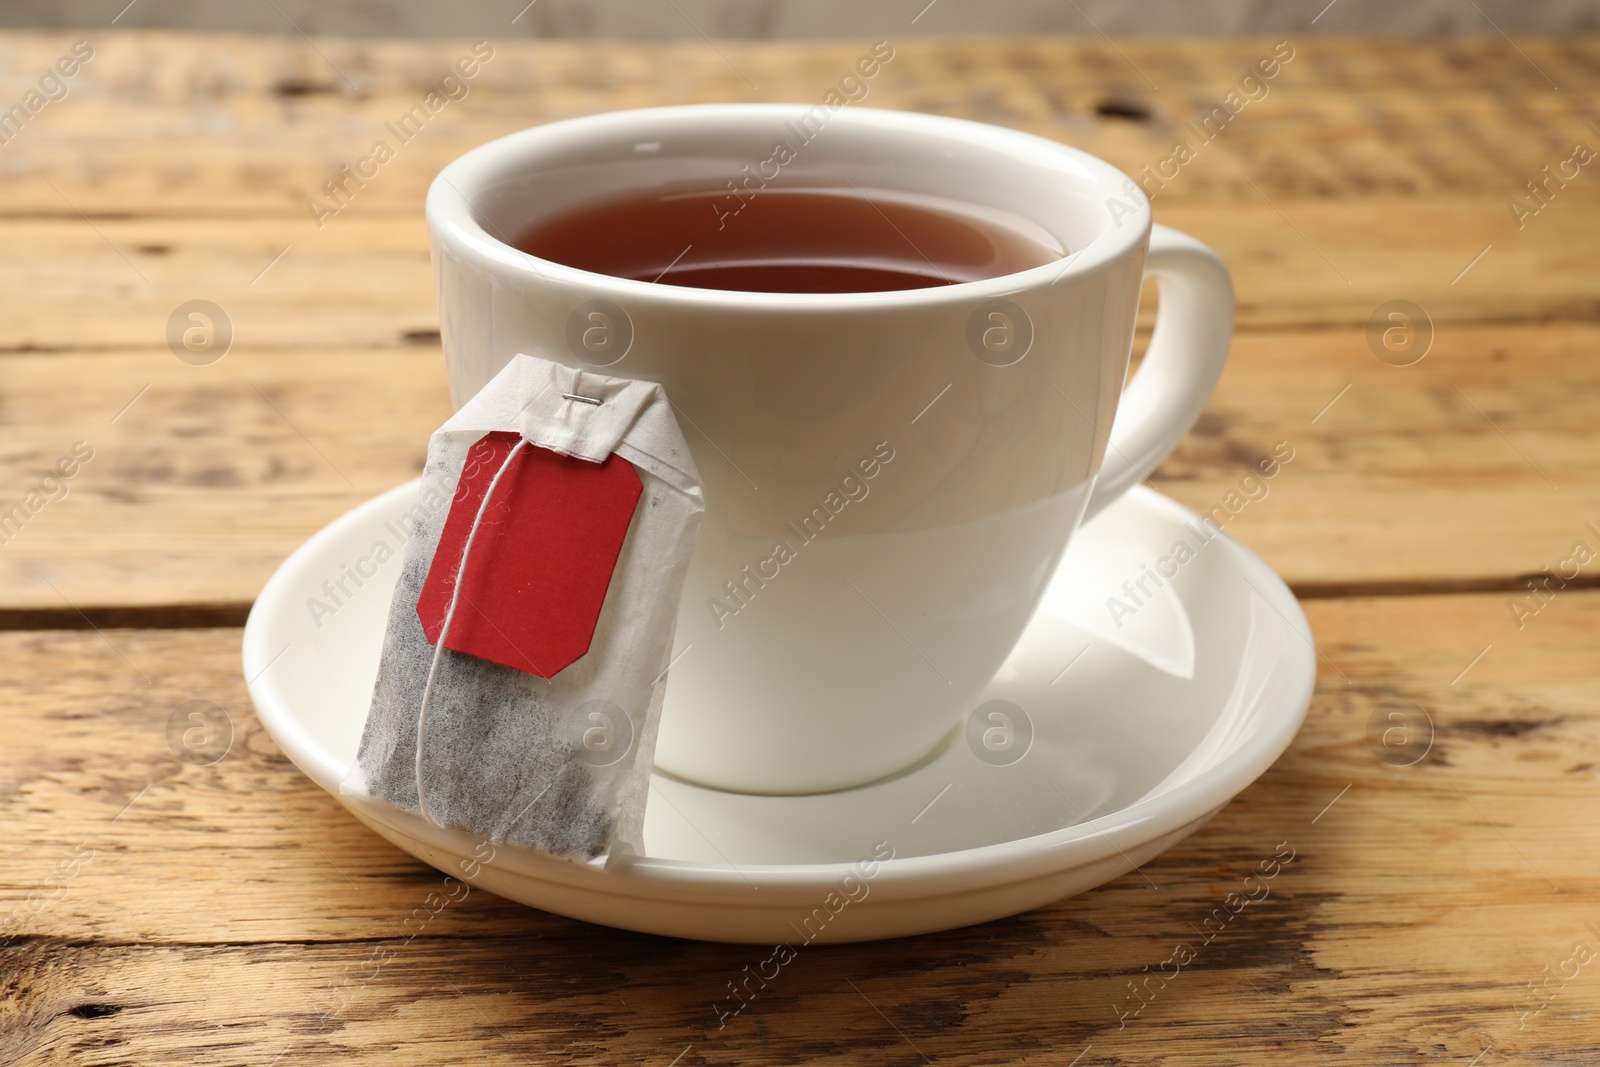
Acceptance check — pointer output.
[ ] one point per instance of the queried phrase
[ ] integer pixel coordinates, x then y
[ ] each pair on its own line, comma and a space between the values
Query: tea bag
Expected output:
529, 638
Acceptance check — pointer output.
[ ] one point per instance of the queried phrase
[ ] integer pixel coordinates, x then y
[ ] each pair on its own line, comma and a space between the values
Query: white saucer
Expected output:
1140, 733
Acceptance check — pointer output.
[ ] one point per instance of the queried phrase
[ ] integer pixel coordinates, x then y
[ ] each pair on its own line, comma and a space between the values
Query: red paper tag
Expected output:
542, 560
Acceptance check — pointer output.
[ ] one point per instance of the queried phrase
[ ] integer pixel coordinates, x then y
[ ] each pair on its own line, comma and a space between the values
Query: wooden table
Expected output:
154, 911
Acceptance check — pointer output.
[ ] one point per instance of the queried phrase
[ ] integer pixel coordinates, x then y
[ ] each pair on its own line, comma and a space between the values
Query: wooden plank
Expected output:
180, 124
361, 282
1429, 476
127, 199
1416, 911
1465, 470
211, 476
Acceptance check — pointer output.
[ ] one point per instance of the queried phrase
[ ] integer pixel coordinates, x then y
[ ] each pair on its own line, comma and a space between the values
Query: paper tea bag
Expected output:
530, 635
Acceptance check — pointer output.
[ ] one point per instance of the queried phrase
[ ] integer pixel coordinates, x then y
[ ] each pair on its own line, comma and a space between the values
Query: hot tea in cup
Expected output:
841, 239
899, 365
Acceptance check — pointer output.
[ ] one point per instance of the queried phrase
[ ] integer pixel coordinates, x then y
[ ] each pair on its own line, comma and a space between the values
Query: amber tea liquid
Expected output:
792, 240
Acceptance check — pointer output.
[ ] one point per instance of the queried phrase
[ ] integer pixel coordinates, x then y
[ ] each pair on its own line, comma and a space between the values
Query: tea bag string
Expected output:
449, 616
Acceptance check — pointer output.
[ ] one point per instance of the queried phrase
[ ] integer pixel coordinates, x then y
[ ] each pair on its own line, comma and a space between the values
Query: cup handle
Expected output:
1187, 350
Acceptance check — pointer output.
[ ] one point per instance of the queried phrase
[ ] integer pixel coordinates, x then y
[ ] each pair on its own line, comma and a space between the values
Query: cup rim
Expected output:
450, 211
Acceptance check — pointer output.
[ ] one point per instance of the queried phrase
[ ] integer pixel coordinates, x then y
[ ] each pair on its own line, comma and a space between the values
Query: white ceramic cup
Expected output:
921, 456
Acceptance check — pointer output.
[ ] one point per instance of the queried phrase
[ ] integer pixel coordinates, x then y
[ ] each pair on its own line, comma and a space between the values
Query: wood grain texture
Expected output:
155, 912
190, 158
190, 124
179, 166
1431, 476
224, 908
